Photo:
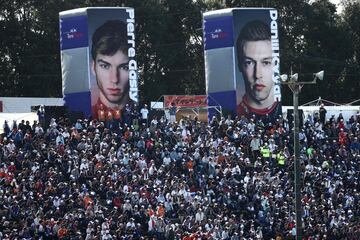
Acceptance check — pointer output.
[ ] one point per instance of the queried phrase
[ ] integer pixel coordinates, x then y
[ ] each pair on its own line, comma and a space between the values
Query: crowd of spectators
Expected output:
231, 178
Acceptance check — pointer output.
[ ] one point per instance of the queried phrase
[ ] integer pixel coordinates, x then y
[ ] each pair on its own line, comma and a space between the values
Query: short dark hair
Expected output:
109, 38
253, 31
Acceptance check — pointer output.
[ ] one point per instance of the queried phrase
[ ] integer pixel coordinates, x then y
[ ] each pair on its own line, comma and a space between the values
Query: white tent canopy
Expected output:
332, 108
11, 117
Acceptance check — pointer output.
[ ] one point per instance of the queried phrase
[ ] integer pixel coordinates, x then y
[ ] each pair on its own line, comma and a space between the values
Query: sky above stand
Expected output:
338, 5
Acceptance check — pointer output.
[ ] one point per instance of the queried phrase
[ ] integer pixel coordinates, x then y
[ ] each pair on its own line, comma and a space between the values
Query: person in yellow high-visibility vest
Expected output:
265, 152
280, 157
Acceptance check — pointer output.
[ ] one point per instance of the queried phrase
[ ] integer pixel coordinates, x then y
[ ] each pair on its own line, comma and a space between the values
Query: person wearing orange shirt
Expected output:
62, 232
87, 201
150, 212
190, 166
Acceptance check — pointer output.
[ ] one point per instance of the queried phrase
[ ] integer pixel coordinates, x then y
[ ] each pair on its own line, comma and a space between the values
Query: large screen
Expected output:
242, 64
98, 54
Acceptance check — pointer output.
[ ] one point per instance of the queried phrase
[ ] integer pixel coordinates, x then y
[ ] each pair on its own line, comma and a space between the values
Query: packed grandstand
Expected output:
231, 178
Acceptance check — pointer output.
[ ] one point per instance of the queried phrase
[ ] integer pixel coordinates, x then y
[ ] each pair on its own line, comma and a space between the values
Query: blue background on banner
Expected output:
73, 32
218, 32
79, 102
227, 100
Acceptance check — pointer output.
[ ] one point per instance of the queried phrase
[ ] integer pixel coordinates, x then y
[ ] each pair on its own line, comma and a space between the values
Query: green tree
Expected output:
351, 73
326, 46
30, 63
170, 48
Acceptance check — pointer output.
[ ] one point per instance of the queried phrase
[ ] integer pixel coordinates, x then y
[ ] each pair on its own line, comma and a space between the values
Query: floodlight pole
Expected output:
295, 87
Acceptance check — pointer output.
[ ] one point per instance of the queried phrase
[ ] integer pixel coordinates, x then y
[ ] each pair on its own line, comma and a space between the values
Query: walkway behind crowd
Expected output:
229, 179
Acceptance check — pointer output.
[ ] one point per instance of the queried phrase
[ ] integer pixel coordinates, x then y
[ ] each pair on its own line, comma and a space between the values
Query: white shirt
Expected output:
166, 160
199, 217
154, 122
144, 113
10, 147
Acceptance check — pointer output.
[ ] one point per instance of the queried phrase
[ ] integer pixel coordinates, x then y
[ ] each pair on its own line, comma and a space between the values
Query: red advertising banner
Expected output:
186, 100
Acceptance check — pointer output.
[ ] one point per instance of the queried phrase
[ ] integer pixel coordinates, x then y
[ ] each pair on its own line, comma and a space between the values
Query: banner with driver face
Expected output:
242, 61
98, 59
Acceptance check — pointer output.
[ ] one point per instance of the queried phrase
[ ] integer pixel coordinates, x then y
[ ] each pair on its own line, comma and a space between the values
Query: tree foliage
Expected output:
313, 36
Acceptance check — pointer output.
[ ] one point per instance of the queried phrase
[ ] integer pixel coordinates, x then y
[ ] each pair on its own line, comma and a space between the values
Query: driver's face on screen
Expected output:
257, 68
112, 76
